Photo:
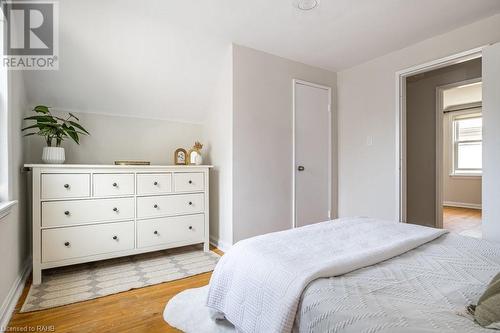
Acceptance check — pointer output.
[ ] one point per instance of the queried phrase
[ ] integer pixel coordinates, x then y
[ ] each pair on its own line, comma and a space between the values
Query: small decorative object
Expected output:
180, 157
54, 128
195, 154
126, 162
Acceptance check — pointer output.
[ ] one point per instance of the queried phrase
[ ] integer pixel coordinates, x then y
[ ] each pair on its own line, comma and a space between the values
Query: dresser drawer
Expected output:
113, 184
188, 182
76, 242
59, 213
154, 183
170, 205
170, 230
62, 185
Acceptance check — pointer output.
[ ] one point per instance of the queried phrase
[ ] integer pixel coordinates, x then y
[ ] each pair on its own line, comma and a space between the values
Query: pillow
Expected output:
487, 311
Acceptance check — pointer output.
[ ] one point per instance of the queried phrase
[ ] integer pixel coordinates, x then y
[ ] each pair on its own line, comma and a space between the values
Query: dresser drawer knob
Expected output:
66, 244
115, 237
115, 209
66, 213
190, 203
190, 182
115, 185
155, 206
66, 185
190, 227
155, 232
155, 183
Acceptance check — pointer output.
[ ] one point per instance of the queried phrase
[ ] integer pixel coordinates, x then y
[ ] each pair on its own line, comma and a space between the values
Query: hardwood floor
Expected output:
139, 310
464, 221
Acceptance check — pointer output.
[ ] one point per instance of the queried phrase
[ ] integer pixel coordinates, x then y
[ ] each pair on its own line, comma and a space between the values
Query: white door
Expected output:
312, 123
491, 143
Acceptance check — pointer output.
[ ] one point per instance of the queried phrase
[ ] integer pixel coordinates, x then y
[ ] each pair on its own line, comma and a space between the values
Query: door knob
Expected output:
300, 168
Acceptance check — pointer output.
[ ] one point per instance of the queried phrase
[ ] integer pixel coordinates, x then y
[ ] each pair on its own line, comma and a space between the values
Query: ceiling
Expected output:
336, 35
158, 58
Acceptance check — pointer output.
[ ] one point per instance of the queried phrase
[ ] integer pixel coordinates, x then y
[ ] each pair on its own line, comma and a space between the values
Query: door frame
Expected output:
401, 175
440, 173
330, 147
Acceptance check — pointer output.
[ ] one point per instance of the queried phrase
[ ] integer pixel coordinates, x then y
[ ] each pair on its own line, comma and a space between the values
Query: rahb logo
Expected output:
30, 35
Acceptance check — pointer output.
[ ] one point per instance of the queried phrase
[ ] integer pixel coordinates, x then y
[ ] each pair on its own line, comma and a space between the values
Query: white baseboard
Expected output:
9, 304
462, 205
224, 247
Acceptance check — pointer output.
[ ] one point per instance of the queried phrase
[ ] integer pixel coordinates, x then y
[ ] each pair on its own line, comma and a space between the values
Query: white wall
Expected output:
491, 143
14, 239
463, 95
367, 107
262, 139
122, 138
218, 133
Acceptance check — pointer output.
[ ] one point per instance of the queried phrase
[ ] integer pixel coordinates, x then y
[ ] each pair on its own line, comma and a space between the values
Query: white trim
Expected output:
294, 162
6, 207
9, 304
223, 246
401, 117
466, 175
461, 205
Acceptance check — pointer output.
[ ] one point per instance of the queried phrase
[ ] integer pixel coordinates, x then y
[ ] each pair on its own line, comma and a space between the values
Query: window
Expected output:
468, 143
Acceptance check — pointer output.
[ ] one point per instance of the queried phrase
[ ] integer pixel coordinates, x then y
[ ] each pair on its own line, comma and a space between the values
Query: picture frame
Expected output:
180, 156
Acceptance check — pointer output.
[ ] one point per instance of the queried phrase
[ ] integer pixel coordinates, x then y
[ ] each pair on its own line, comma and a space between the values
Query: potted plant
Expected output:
54, 128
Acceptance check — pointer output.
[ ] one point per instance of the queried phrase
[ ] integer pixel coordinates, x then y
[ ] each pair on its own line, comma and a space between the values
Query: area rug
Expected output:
188, 312
72, 284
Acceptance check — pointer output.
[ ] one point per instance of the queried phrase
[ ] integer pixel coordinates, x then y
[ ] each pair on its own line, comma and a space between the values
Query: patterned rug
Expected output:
72, 284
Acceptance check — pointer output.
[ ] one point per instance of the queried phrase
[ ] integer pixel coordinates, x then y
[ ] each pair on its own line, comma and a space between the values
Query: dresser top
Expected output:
112, 166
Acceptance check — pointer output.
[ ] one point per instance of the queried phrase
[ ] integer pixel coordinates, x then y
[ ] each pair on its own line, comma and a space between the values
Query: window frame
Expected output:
455, 117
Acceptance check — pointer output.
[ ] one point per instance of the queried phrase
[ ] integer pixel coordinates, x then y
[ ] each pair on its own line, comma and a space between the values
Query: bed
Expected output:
421, 287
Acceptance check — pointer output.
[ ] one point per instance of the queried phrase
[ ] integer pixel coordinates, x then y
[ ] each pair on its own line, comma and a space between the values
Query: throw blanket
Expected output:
258, 283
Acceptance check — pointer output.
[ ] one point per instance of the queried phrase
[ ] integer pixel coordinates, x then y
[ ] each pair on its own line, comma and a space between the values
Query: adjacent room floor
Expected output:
463, 221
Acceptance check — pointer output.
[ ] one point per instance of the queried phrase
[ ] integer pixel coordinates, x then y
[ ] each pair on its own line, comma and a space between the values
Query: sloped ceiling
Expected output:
159, 58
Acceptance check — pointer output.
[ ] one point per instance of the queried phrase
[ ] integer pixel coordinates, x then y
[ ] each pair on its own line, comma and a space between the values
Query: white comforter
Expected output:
257, 285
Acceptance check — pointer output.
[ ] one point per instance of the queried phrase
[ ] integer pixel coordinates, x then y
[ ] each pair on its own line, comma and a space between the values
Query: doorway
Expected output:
459, 109
430, 97
490, 60
312, 148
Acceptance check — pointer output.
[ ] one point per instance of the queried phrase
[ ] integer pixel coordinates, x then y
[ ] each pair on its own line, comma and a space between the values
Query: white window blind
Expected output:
468, 143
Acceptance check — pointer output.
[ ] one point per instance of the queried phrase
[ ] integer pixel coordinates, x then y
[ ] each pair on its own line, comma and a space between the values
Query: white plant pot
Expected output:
53, 155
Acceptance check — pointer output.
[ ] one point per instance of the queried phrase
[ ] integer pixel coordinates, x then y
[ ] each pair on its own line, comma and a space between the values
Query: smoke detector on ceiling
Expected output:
306, 4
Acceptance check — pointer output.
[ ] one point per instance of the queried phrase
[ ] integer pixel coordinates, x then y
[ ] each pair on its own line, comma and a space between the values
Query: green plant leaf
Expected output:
80, 127
52, 127
41, 109
69, 130
47, 119
74, 136
30, 127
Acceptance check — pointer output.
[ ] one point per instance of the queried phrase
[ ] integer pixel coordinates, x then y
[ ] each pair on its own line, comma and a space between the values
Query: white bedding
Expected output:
423, 290
257, 285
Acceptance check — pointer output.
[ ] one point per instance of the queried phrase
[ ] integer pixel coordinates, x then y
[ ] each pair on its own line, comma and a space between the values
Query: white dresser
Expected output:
85, 213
